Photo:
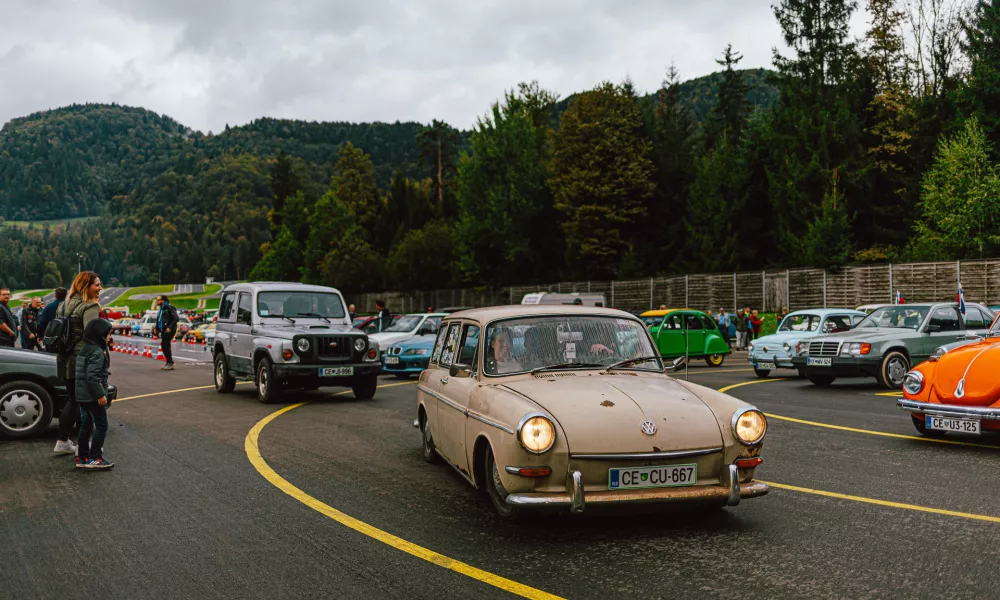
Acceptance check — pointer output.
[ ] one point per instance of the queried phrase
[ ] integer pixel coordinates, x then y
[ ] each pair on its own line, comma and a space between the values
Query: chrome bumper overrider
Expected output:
729, 491
949, 410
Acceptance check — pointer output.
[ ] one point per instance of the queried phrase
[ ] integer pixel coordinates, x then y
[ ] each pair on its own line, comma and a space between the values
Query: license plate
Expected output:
765, 366
392, 360
652, 477
336, 371
819, 362
957, 425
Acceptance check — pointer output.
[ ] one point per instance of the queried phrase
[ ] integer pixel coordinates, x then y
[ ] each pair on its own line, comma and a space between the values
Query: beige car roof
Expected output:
492, 313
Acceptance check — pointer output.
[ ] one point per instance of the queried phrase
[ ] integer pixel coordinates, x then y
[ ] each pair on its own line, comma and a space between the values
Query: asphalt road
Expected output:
186, 514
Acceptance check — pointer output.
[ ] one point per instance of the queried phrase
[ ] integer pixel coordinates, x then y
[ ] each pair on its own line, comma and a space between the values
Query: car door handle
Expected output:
444, 381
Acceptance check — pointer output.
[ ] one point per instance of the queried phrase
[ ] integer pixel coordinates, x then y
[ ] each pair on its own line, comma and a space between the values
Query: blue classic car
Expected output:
408, 357
775, 351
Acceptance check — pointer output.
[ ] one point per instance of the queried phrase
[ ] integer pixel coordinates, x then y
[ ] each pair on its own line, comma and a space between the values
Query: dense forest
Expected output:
849, 150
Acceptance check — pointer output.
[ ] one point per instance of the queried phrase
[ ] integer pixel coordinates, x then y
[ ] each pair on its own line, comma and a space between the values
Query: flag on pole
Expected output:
960, 298
899, 297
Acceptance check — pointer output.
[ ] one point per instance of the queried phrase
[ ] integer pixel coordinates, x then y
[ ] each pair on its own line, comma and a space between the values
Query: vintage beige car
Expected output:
567, 406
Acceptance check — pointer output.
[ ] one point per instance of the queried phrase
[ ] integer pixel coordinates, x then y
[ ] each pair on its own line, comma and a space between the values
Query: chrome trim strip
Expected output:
731, 479
481, 419
949, 410
442, 399
576, 504
647, 455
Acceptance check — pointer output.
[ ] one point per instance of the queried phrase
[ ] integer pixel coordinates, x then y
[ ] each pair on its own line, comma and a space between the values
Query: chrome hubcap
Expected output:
220, 374
896, 371
262, 381
20, 410
427, 436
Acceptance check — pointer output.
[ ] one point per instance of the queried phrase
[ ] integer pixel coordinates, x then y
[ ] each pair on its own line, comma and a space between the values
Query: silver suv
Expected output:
291, 335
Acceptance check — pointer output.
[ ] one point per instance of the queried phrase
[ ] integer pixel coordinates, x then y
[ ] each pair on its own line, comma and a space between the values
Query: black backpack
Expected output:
58, 337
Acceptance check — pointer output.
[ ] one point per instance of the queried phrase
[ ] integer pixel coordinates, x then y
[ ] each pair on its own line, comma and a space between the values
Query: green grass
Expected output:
53, 223
192, 303
186, 301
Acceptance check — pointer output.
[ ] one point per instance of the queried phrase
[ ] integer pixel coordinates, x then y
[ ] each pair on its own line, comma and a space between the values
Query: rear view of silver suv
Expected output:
291, 335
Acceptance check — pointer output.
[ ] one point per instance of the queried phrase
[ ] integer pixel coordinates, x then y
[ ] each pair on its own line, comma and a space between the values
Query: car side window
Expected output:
946, 318
974, 318
245, 309
470, 346
450, 342
227, 306
439, 344
674, 322
693, 322
707, 322
836, 324
855, 319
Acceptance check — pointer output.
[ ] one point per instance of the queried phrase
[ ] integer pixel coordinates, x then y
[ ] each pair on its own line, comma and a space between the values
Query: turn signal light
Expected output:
749, 463
286, 354
372, 354
866, 348
534, 471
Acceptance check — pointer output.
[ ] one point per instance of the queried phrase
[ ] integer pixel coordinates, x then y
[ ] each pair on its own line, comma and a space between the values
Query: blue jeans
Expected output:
93, 418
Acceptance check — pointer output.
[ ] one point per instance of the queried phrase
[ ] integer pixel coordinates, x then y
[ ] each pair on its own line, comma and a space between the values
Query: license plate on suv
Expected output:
652, 477
819, 362
956, 425
336, 371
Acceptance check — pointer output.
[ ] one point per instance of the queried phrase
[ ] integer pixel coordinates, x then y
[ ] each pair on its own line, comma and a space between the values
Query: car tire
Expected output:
427, 441
761, 373
921, 427
495, 490
224, 380
25, 409
364, 387
821, 380
894, 366
268, 389
715, 360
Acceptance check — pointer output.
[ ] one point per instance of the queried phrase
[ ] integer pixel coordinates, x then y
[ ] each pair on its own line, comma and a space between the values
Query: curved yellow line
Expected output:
751, 382
253, 453
190, 389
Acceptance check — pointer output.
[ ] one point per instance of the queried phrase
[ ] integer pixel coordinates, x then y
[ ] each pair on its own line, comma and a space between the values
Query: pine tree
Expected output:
981, 94
718, 199
354, 187
827, 240
438, 146
284, 182
729, 115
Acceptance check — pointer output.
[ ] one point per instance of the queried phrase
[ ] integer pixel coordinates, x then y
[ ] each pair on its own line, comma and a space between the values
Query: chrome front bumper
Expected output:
729, 492
949, 410
781, 362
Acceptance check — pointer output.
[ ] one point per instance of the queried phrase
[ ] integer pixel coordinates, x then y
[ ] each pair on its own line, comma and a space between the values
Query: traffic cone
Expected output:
159, 354
146, 352
135, 349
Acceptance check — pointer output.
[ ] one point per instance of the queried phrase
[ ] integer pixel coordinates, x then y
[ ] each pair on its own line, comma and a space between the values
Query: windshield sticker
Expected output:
263, 312
570, 353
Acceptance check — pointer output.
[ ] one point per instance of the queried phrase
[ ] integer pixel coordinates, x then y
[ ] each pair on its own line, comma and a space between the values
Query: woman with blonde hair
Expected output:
80, 308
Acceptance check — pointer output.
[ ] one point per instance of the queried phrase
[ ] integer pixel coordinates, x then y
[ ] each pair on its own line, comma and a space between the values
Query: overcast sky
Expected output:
207, 63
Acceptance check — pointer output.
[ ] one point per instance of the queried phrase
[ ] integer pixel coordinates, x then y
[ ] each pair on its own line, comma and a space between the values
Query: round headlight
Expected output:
536, 433
752, 345
787, 347
302, 344
913, 382
359, 344
749, 425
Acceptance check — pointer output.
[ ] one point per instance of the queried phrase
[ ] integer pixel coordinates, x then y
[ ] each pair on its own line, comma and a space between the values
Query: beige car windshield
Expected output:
520, 345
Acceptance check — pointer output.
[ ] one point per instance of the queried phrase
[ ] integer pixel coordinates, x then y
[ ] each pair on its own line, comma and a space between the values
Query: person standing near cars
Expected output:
723, 321
92, 395
80, 308
166, 327
384, 316
8, 323
31, 335
49, 313
350, 313
742, 328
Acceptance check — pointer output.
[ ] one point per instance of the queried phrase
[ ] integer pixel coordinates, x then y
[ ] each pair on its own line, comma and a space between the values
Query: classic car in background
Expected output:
956, 389
577, 417
408, 326
775, 351
408, 357
870, 308
685, 332
887, 342
370, 324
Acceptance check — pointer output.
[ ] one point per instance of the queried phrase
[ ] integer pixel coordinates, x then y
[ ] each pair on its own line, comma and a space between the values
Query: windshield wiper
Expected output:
632, 361
566, 366
313, 315
283, 317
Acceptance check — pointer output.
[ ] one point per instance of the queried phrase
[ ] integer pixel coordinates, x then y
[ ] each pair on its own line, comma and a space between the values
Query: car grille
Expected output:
824, 348
336, 346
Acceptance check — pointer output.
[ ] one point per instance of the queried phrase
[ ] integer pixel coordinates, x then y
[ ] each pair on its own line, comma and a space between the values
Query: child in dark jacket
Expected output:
92, 395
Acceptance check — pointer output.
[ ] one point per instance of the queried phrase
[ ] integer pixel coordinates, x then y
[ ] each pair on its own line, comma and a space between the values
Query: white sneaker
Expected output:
66, 447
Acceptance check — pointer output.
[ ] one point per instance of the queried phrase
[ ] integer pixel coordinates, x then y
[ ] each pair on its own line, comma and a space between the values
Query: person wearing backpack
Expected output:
49, 313
65, 334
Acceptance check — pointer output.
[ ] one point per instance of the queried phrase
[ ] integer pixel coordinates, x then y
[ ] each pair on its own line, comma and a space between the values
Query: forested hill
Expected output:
71, 161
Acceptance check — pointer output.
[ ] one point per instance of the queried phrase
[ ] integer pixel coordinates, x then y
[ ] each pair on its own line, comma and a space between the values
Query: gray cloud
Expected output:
212, 62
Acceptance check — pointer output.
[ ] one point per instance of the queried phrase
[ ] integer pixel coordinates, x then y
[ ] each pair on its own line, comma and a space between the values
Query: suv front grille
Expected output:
335, 346
824, 348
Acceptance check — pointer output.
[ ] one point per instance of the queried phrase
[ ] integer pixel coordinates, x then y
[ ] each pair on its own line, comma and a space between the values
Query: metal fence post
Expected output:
763, 291
892, 298
788, 291
824, 288
958, 270
686, 301
734, 291
650, 293
612, 293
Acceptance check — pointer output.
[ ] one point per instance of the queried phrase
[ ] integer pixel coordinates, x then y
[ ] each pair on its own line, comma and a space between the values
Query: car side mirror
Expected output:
932, 328
678, 363
460, 370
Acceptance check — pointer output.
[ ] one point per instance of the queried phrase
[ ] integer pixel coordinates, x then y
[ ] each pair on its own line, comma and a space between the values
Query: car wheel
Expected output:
761, 373
821, 380
25, 409
430, 455
495, 490
894, 367
364, 388
268, 389
224, 382
715, 360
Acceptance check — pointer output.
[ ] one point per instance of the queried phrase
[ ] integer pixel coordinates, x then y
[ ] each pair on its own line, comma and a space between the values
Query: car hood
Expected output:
870, 334
290, 330
419, 341
603, 414
385, 338
977, 364
27, 357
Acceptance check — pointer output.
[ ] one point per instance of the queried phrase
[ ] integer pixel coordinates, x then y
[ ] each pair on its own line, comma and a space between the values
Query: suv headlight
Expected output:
303, 344
913, 382
749, 426
536, 433
359, 344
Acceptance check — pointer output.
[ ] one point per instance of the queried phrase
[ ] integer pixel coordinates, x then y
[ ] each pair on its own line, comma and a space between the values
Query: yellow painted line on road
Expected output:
252, 447
755, 381
190, 389
706, 370
890, 394
888, 503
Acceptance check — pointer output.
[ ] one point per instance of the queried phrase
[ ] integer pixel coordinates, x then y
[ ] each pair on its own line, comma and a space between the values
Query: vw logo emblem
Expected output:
648, 427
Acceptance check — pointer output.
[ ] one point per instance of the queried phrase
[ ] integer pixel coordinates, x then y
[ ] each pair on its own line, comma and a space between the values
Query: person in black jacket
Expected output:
384, 316
49, 313
8, 323
31, 337
166, 327
92, 395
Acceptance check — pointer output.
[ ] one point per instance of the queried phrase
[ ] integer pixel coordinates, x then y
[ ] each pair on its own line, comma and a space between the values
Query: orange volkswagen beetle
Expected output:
957, 388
